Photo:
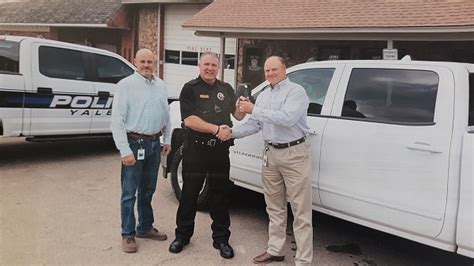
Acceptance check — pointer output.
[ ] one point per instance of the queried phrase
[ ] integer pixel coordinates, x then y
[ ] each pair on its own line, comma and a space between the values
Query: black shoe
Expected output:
226, 250
177, 245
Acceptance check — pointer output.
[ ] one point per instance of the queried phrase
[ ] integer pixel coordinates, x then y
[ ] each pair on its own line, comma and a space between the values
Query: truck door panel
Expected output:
385, 160
108, 71
61, 94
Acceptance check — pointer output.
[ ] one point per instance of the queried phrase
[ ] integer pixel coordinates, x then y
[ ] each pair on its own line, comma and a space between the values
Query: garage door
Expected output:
182, 49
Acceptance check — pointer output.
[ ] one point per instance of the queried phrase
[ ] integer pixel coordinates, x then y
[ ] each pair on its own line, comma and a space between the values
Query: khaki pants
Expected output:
288, 175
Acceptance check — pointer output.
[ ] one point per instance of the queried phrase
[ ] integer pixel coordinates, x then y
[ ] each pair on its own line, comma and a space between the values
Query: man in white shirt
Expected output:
140, 115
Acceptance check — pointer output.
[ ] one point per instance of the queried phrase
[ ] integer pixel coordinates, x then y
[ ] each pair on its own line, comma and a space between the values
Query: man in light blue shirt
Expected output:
140, 115
280, 112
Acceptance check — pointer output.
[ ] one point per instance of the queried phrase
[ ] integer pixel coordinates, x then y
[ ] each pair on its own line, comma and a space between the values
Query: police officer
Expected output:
206, 105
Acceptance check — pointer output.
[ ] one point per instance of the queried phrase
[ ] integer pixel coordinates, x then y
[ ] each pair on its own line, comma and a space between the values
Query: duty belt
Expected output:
206, 141
286, 145
137, 136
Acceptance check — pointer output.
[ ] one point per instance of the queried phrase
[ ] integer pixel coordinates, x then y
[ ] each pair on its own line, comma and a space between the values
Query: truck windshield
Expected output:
9, 57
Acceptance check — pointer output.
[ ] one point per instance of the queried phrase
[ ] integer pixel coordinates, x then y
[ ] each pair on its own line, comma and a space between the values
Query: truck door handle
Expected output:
422, 146
103, 94
45, 91
313, 132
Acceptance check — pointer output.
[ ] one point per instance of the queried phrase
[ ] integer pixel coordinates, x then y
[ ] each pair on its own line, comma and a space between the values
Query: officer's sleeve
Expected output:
187, 102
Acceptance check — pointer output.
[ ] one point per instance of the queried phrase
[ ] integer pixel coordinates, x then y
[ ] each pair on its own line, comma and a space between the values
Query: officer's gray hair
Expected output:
215, 55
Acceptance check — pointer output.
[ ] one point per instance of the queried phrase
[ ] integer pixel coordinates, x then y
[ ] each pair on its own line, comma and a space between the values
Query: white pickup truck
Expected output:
52, 89
392, 147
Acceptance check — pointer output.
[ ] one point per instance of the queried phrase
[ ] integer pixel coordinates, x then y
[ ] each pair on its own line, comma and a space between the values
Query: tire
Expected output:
177, 182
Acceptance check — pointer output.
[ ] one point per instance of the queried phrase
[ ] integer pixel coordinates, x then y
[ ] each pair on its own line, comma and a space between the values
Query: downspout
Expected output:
222, 56
161, 40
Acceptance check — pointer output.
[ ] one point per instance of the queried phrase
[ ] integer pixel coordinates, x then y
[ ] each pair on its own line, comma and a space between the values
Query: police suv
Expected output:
51, 89
392, 147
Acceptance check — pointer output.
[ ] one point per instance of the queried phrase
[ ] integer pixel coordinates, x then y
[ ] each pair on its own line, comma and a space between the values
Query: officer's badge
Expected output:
220, 96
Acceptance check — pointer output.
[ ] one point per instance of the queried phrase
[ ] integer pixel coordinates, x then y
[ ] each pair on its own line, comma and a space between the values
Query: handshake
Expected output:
224, 133
243, 106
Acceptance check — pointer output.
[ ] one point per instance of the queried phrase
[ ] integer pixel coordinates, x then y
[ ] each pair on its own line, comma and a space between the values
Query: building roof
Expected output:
57, 12
332, 15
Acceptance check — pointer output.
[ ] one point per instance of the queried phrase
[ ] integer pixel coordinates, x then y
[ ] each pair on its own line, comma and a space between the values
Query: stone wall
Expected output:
148, 16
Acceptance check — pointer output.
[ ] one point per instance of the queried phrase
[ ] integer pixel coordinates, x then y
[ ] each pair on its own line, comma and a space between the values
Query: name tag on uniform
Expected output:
204, 96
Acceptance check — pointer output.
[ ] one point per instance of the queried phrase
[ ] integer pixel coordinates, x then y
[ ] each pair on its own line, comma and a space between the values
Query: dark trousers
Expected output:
198, 162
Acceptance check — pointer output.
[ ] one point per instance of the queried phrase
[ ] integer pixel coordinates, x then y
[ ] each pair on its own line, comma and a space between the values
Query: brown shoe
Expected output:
129, 245
153, 234
267, 258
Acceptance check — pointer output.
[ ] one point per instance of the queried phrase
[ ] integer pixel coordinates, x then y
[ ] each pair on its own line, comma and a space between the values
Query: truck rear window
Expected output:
9, 57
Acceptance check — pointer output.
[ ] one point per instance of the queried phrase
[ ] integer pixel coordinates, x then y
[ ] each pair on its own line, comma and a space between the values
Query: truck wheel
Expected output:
177, 181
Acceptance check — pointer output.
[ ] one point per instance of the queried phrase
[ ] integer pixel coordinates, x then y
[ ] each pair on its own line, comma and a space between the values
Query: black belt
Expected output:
206, 141
286, 145
138, 136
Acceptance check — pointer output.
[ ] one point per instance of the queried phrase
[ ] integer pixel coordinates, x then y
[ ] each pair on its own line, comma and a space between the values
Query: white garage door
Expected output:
182, 49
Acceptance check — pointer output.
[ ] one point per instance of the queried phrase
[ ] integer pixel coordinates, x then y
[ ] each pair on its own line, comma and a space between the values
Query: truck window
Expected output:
61, 63
316, 82
471, 99
9, 57
110, 69
391, 95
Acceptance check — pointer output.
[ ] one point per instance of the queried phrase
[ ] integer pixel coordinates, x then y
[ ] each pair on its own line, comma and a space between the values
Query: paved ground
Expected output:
59, 204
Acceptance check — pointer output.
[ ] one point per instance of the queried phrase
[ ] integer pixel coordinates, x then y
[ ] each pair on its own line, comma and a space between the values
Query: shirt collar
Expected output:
280, 84
207, 85
148, 81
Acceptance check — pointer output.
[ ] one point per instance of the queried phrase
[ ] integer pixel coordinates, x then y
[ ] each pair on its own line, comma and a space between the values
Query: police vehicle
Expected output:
392, 147
51, 89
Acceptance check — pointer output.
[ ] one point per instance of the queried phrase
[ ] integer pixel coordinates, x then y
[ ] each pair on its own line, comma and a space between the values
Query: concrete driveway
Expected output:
59, 204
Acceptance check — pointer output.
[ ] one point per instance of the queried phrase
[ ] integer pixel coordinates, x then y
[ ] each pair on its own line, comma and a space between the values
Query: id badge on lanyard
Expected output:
141, 151
265, 157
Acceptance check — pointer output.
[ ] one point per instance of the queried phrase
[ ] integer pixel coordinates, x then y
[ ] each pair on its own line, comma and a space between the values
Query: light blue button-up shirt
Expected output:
280, 112
141, 106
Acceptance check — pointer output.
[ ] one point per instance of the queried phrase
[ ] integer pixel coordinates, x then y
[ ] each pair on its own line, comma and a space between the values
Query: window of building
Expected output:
9, 57
172, 56
316, 83
110, 69
61, 63
189, 58
391, 95
229, 61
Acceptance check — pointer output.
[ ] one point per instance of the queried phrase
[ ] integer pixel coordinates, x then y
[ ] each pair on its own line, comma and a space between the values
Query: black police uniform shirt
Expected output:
212, 103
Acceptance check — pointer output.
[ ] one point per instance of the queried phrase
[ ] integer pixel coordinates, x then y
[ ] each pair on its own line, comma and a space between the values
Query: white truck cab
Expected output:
392, 147
51, 88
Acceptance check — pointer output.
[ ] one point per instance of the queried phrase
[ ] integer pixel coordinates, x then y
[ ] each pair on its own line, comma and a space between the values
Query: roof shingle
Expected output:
287, 14
59, 11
